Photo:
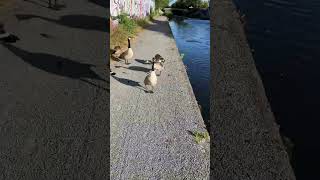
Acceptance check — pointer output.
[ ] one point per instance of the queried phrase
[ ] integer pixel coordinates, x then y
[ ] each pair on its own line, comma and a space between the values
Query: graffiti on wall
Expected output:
135, 8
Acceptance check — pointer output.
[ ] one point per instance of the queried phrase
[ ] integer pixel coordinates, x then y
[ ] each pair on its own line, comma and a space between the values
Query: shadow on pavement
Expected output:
46, 4
57, 65
129, 82
102, 3
138, 68
73, 21
143, 61
135, 68
159, 26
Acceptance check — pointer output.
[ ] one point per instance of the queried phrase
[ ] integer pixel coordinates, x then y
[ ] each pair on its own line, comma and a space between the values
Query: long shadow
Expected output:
129, 82
102, 3
57, 65
135, 68
73, 21
93, 84
38, 4
143, 61
138, 68
46, 4
159, 26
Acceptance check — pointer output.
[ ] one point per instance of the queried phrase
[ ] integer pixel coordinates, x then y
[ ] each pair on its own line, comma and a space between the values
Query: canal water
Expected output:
285, 36
193, 40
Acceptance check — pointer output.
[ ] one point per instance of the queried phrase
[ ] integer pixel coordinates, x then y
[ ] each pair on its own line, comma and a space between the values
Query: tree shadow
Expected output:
129, 82
101, 3
46, 4
58, 65
160, 26
73, 21
38, 3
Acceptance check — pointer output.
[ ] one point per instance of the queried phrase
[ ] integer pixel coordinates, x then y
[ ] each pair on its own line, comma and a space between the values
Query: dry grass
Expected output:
5, 5
119, 36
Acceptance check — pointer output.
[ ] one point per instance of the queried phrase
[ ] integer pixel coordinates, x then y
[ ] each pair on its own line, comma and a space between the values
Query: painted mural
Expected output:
135, 8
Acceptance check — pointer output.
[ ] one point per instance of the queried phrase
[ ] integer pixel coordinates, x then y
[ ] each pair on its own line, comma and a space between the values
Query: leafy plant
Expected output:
181, 56
169, 15
161, 3
127, 23
201, 136
185, 4
128, 27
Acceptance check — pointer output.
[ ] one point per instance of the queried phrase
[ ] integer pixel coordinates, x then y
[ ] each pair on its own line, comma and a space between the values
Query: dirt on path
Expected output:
150, 133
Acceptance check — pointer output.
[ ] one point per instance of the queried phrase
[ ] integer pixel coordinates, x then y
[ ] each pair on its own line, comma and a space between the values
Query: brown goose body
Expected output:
117, 52
151, 79
128, 54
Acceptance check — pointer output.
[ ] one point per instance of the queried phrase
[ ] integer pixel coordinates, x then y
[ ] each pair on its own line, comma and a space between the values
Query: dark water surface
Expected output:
193, 40
285, 35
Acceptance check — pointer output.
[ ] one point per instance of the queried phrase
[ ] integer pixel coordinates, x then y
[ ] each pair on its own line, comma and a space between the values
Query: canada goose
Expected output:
158, 58
7, 37
151, 79
128, 54
158, 66
112, 73
117, 52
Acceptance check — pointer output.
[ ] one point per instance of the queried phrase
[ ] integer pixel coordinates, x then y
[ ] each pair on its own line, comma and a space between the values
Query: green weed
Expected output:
201, 137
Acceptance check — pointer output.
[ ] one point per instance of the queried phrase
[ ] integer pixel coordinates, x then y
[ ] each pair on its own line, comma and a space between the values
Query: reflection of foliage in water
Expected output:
180, 21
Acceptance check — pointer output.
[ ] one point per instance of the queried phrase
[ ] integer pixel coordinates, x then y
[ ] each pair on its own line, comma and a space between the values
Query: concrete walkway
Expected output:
150, 136
54, 104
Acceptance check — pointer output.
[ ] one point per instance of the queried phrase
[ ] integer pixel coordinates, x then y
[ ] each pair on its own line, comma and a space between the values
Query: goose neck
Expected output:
129, 45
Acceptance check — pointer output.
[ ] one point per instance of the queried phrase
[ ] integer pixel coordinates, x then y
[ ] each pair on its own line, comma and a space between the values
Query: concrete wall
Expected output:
246, 142
135, 8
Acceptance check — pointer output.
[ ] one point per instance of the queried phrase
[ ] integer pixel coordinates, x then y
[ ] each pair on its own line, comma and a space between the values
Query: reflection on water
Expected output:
285, 35
192, 37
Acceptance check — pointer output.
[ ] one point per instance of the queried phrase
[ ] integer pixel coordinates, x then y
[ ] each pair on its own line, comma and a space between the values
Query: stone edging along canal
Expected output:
246, 142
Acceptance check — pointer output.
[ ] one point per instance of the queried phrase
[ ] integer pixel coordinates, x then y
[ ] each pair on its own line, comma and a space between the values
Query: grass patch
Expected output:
127, 28
169, 15
5, 7
201, 137
181, 56
3, 4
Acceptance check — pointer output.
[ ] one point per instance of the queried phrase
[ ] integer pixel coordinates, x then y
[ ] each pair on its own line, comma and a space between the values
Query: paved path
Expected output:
247, 144
149, 132
54, 104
